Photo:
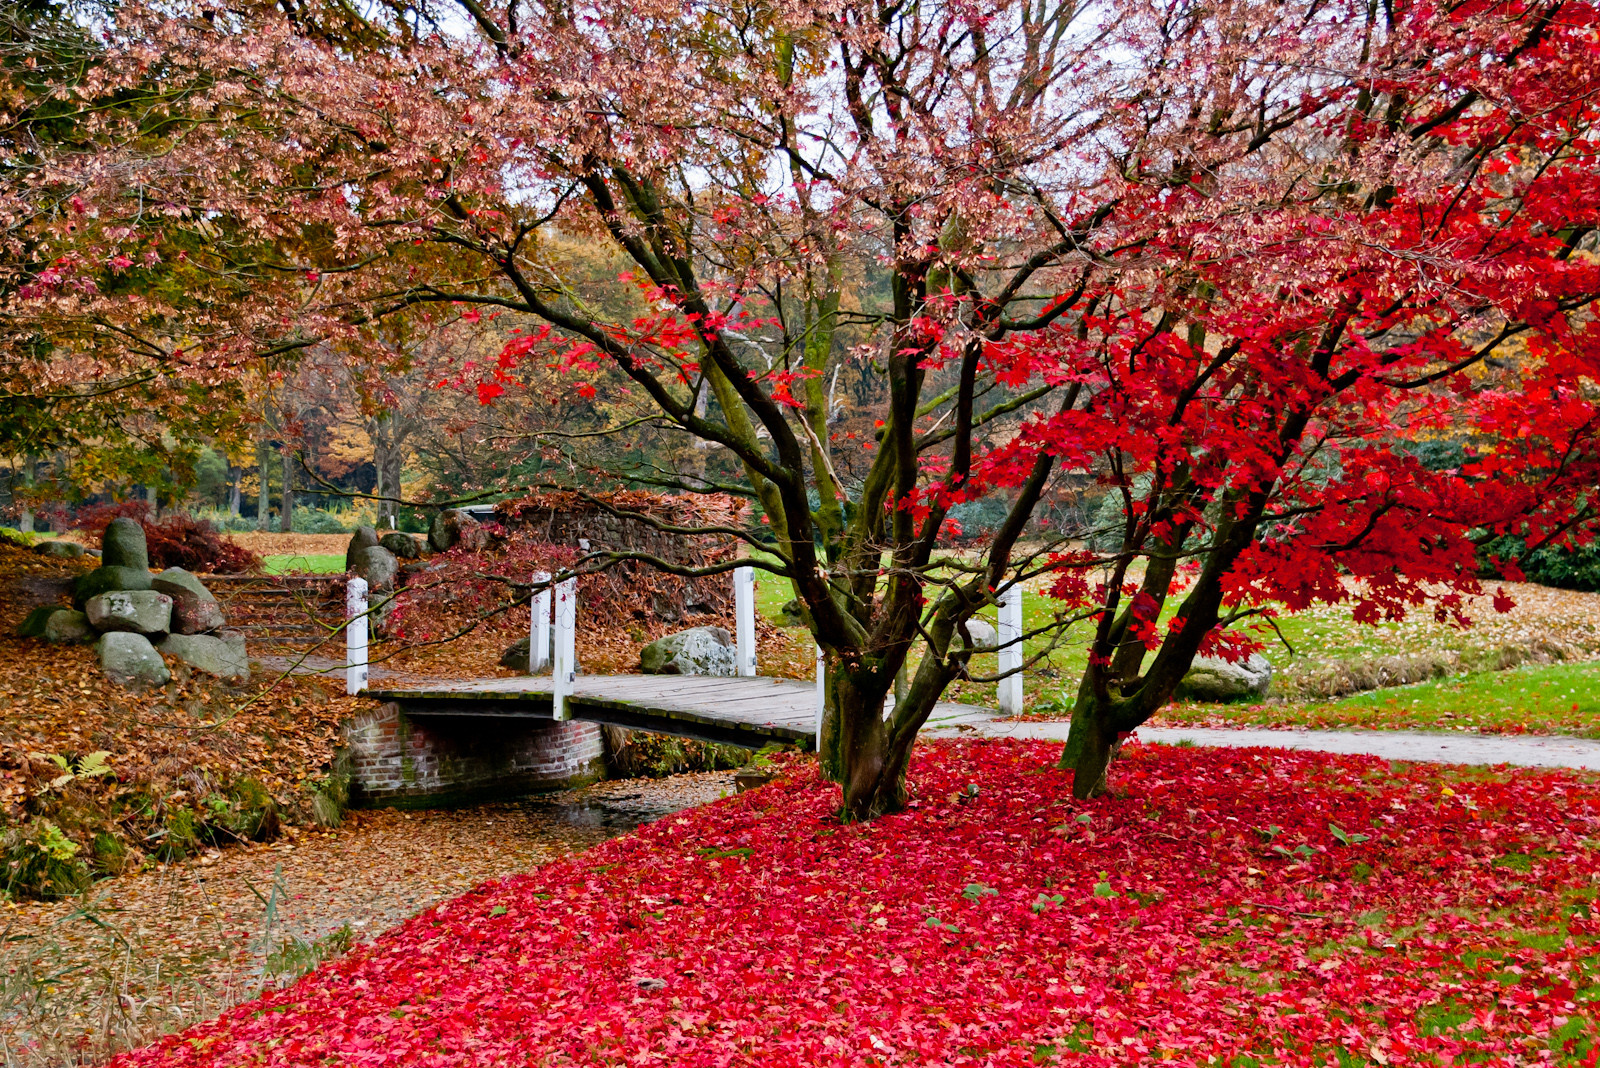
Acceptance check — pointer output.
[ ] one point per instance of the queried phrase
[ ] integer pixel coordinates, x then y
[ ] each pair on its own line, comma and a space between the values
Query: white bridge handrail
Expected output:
744, 611
355, 635
564, 663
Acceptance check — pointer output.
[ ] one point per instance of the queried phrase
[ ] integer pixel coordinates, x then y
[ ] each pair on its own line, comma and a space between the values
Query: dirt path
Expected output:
148, 953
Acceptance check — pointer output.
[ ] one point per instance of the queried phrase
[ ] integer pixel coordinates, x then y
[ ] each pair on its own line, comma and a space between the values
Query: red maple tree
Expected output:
1240, 266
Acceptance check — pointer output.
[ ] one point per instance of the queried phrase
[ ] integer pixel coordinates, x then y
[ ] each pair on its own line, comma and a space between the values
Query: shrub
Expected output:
1574, 568
330, 795
110, 856
179, 837
21, 539
245, 811
179, 540
41, 861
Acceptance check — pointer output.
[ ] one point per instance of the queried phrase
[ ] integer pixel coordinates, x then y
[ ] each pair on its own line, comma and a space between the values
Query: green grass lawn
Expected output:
1559, 698
1555, 698
303, 563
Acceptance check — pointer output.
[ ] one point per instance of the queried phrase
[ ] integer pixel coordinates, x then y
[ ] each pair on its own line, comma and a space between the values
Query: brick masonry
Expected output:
422, 761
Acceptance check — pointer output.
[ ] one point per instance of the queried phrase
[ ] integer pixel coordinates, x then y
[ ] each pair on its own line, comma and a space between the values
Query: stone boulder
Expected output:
221, 655
453, 527
404, 546
107, 578
419, 567
64, 550
790, 615
984, 637
192, 616
1210, 679
697, 651
194, 609
123, 545
139, 611
33, 625
130, 660
377, 565
68, 626
364, 538
175, 582
516, 655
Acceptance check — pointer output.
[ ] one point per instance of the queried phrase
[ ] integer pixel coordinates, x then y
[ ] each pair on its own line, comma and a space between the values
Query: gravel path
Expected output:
1541, 751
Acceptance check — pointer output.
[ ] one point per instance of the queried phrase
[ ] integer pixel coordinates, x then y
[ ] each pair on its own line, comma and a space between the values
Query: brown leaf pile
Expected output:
168, 748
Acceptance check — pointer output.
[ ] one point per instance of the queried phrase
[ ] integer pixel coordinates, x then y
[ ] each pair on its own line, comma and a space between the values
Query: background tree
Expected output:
1227, 263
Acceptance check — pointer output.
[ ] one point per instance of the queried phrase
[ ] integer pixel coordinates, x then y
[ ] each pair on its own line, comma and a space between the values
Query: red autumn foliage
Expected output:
176, 540
1296, 908
1238, 266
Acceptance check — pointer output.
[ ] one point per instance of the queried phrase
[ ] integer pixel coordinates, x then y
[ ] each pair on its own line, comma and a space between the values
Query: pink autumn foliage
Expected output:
1296, 908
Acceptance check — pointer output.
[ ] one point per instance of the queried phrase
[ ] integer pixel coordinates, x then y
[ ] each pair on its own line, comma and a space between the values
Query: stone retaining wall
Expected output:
425, 761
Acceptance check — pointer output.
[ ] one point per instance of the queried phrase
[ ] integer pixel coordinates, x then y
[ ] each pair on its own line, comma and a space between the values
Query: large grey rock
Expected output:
123, 545
68, 626
363, 538
108, 578
1210, 679
403, 545
377, 565
697, 651
221, 655
175, 582
453, 527
140, 611
194, 609
33, 626
984, 637
65, 550
790, 615
129, 659
193, 616
516, 655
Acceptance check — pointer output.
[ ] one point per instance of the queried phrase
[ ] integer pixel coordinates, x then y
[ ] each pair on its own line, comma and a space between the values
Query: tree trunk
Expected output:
287, 509
380, 485
386, 458
235, 475
1088, 751
263, 485
31, 476
857, 751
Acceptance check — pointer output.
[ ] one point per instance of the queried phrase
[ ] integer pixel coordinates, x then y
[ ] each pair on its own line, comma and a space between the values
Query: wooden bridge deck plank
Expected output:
745, 710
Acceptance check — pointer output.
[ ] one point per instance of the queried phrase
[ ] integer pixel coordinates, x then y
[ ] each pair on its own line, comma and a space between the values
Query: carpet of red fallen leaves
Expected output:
1208, 913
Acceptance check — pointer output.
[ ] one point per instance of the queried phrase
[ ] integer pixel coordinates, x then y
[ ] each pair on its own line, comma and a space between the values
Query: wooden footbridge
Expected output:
751, 712
746, 710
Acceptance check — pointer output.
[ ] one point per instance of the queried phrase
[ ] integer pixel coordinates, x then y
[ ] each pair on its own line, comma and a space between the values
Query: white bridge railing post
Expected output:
822, 694
1009, 635
744, 609
355, 636
539, 626
564, 669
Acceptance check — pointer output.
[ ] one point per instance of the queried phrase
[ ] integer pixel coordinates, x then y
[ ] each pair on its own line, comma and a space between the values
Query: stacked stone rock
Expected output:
135, 617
